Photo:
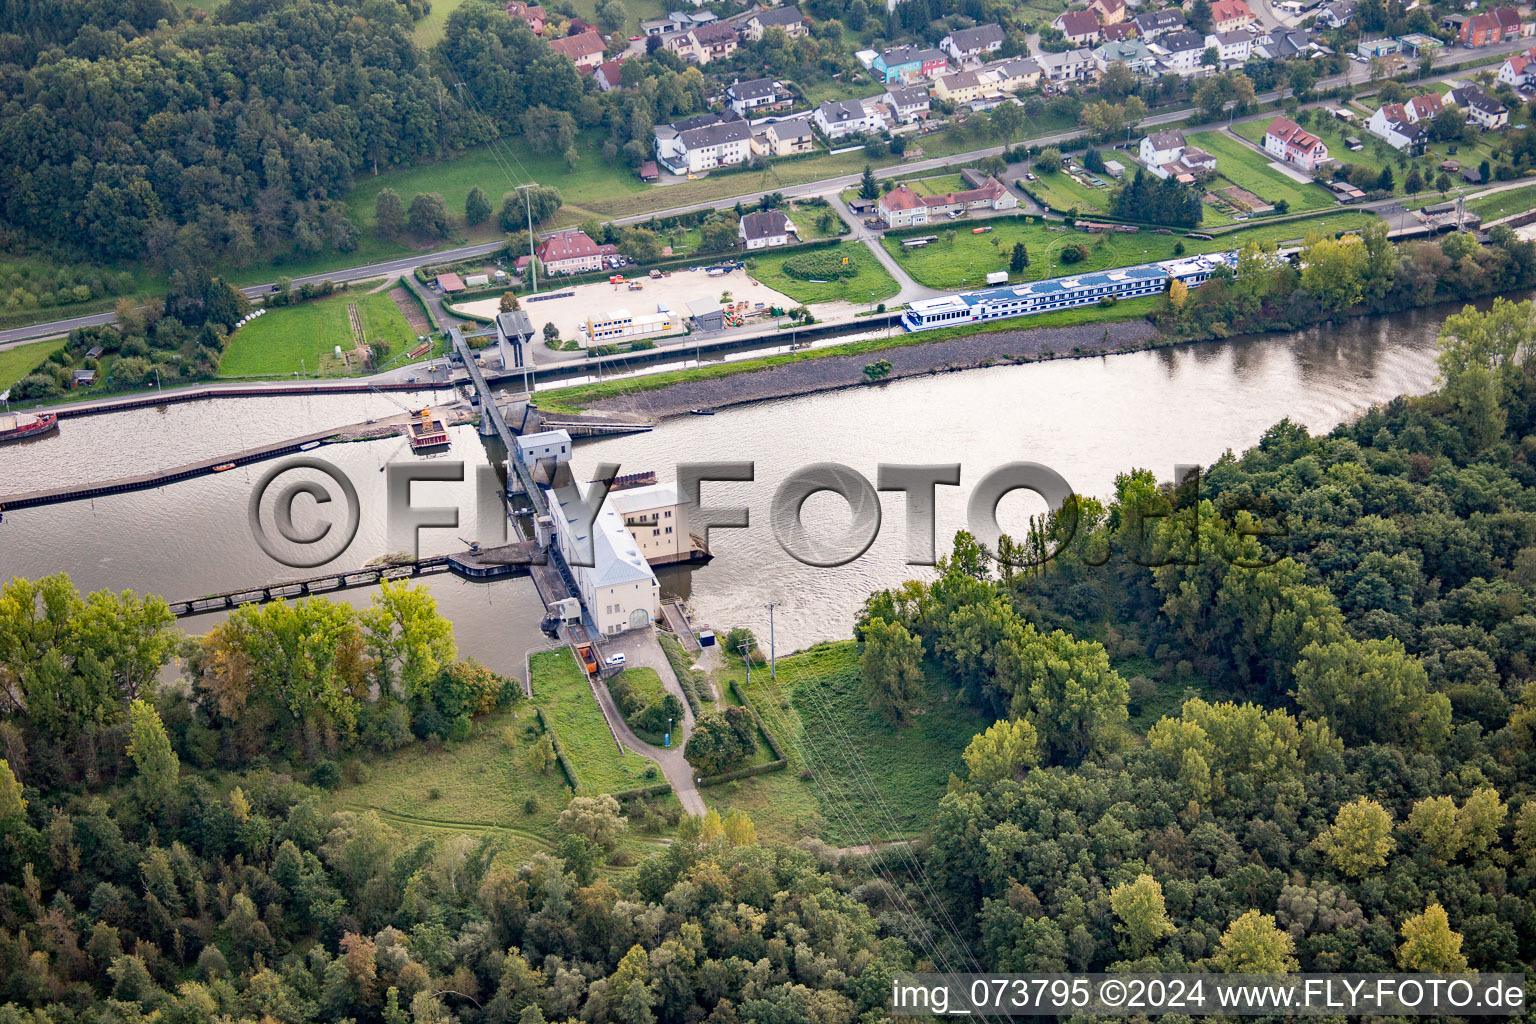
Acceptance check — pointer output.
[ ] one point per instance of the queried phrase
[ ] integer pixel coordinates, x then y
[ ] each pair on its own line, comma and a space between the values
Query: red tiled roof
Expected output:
1078, 23
1286, 130
450, 282
1226, 10
900, 198
567, 245
578, 46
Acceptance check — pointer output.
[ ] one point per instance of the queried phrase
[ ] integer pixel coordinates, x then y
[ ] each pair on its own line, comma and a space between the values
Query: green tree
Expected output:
150, 748
1142, 915
1430, 945
1372, 691
1254, 944
891, 668
641, 245
868, 187
1003, 751
1360, 838
12, 803
1433, 820
611, 16
1019, 259
1049, 160
477, 208
388, 214
428, 216
595, 818
410, 641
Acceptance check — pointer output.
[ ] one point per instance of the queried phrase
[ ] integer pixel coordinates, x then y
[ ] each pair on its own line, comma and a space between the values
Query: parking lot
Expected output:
569, 312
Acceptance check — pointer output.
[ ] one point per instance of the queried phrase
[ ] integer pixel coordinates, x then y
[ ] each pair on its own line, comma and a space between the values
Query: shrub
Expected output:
1074, 253
822, 265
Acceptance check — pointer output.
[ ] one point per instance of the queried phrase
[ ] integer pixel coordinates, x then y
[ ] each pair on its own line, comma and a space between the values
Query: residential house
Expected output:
1230, 15
790, 137
1157, 23
1480, 30
1133, 53
968, 44
1336, 15
1109, 12
569, 252
963, 87
840, 118
703, 142
1519, 70
1510, 25
1015, 73
765, 229
585, 49
1423, 108
534, 16
1118, 33
1284, 44
1232, 47
1067, 66
1482, 110
1180, 53
748, 96
1167, 155
1287, 140
1161, 148
787, 18
714, 41
1080, 28
907, 103
908, 64
609, 75
1390, 123
901, 207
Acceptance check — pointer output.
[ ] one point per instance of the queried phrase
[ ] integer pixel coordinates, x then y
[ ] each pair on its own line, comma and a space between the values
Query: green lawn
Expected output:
961, 259
1490, 207
1249, 169
1062, 192
16, 363
289, 339
869, 779
500, 169
870, 284
806, 218
561, 689
1376, 154
479, 787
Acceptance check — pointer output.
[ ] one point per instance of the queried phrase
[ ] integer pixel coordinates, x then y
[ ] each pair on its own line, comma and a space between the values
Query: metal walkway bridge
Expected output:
492, 414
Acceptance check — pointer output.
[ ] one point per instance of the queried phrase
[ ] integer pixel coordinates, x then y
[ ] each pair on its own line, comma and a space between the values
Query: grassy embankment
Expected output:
302, 338
869, 283
578, 397
961, 259
868, 779
560, 688
16, 363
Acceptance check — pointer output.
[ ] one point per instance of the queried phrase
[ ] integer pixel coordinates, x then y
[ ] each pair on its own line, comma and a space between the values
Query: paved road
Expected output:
1355, 73
910, 289
642, 649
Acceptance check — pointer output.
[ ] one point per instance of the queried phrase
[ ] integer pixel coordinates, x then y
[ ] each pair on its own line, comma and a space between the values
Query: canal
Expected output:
1088, 419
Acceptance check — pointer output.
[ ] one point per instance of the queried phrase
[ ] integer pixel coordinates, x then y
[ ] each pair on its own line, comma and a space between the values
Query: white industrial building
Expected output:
618, 589
657, 519
621, 325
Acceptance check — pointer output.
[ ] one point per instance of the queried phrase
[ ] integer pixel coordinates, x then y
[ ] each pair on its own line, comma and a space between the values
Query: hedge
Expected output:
687, 678
643, 791
779, 761
565, 762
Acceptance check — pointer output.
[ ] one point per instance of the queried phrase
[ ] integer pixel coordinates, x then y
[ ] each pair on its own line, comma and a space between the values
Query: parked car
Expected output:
614, 660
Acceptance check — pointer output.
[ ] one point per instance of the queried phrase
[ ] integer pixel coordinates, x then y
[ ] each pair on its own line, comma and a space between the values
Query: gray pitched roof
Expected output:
978, 38
763, 224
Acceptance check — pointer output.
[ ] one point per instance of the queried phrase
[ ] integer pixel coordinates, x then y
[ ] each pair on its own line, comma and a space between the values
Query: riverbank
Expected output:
716, 387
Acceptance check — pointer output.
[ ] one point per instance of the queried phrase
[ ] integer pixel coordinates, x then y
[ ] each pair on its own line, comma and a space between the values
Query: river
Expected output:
1088, 419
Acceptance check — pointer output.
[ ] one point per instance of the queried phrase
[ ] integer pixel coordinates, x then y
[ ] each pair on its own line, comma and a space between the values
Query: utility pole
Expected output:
773, 657
533, 263
746, 659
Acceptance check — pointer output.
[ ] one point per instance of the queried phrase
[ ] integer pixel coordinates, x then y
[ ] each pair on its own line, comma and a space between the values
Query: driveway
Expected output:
909, 289
641, 649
